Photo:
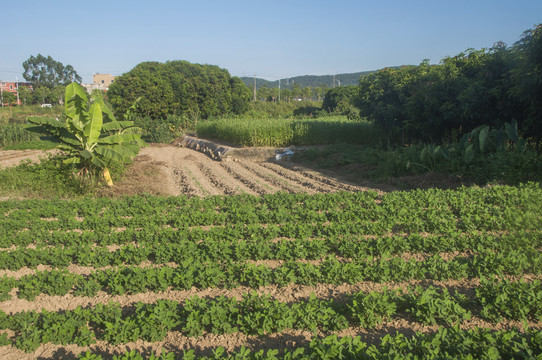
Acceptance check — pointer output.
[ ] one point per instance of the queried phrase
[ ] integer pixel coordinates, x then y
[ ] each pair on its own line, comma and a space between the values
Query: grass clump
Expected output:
507, 167
19, 114
17, 137
50, 178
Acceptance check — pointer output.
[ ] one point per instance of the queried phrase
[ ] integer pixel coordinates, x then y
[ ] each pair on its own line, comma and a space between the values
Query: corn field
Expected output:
286, 132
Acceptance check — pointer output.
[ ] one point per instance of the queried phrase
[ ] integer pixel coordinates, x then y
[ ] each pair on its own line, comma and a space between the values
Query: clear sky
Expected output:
269, 39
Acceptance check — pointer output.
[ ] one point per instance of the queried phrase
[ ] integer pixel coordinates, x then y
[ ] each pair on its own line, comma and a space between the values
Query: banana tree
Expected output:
91, 137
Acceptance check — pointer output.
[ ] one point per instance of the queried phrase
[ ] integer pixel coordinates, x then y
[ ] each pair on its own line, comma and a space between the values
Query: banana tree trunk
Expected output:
107, 177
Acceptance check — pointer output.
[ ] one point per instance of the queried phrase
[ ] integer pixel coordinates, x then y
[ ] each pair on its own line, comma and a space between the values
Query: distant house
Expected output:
100, 82
13, 87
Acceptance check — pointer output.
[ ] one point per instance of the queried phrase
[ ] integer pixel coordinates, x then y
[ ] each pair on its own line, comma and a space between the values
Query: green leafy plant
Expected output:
91, 136
373, 308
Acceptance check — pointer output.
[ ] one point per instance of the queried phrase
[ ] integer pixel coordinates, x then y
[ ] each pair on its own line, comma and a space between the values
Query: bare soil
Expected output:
168, 170
10, 158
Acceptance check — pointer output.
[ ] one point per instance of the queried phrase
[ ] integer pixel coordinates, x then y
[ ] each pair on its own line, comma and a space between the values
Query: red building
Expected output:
13, 87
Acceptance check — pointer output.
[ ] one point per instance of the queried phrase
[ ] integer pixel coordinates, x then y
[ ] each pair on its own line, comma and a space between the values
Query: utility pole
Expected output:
279, 90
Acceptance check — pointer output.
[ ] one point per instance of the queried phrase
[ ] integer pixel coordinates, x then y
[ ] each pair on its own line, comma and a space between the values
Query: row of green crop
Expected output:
286, 132
473, 207
446, 343
258, 315
219, 248
153, 234
126, 280
449, 212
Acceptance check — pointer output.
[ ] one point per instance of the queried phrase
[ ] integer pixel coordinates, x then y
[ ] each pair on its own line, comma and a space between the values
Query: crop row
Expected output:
384, 222
169, 249
452, 343
258, 315
154, 234
126, 280
494, 208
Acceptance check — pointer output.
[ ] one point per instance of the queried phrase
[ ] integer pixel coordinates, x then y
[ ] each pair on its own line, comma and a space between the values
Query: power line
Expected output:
11, 71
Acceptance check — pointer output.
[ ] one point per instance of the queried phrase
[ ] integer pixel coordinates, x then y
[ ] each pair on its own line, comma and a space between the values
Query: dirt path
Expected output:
10, 158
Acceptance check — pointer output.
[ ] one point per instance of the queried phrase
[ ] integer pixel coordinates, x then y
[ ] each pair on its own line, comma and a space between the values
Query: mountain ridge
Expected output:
345, 79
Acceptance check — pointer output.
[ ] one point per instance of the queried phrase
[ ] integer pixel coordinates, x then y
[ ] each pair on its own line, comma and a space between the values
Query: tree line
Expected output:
439, 103
423, 103
174, 87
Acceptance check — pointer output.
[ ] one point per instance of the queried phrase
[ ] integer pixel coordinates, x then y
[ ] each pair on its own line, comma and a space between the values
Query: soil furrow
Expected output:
253, 186
281, 185
230, 179
294, 187
264, 186
293, 176
199, 179
185, 183
300, 171
217, 181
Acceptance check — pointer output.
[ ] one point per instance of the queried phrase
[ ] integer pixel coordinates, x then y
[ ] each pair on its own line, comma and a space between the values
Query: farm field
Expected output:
176, 170
286, 132
277, 275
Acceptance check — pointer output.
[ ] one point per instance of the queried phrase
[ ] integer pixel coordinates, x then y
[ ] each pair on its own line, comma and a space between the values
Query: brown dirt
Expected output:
169, 170
10, 158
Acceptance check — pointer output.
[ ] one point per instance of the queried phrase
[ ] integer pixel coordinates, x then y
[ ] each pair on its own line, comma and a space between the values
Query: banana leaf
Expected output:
119, 138
93, 128
117, 125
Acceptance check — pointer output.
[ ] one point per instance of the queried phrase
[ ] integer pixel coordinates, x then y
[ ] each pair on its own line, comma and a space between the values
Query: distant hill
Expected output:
308, 80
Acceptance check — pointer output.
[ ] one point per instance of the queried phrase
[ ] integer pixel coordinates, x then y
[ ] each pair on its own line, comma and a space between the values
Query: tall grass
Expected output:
18, 114
285, 132
283, 109
50, 178
11, 134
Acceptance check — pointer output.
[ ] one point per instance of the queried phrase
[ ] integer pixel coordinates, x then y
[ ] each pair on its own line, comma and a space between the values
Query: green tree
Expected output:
296, 91
264, 93
42, 95
320, 91
45, 71
339, 98
25, 94
179, 87
8, 98
145, 81
57, 94
528, 80
306, 92
241, 96
382, 97
286, 95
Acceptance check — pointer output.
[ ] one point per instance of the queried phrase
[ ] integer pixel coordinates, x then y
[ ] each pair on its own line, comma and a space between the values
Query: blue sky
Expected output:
271, 39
